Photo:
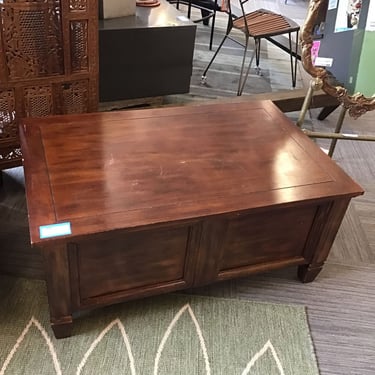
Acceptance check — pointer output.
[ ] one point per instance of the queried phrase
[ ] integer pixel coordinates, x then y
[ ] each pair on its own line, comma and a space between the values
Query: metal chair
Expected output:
259, 24
208, 10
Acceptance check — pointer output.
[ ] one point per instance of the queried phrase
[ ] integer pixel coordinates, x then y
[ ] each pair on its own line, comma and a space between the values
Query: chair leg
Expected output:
243, 78
296, 58
203, 79
216, 7
189, 9
212, 30
305, 105
339, 124
293, 65
257, 54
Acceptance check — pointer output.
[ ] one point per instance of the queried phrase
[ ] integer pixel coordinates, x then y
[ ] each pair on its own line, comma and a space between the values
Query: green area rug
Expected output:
164, 335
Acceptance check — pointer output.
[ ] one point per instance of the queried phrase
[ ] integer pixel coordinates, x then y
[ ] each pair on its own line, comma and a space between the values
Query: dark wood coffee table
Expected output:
151, 201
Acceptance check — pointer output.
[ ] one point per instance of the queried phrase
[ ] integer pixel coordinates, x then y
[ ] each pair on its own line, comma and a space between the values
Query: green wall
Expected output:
365, 82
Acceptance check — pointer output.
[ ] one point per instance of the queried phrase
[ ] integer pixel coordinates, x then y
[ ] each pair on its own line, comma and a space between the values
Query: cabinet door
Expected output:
118, 266
246, 243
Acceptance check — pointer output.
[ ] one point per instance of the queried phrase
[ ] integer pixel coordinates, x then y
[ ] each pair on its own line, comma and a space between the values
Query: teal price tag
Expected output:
54, 230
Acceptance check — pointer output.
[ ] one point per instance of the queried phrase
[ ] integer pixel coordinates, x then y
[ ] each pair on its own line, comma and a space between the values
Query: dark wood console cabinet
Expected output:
149, 54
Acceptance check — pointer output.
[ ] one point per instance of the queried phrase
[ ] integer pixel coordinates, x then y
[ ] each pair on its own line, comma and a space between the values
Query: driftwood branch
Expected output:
356, 104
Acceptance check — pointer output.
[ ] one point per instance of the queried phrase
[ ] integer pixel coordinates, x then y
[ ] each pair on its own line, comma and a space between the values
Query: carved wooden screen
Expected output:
48, 64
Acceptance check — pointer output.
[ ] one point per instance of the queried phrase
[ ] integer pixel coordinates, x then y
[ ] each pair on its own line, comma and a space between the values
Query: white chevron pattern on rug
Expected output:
118, 324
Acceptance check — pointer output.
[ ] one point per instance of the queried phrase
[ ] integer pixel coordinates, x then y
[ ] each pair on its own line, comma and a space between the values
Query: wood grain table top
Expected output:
135, 168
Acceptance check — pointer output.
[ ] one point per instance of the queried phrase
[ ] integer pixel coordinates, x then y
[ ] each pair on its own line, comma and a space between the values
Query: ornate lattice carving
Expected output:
43, 70
38, 101
79, 50
32, 39
77, 5
10, 155
8, 125
75, 97
23, 1
18, 65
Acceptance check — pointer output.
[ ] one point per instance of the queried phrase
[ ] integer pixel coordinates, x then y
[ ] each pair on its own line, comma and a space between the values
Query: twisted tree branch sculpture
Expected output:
356, 104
